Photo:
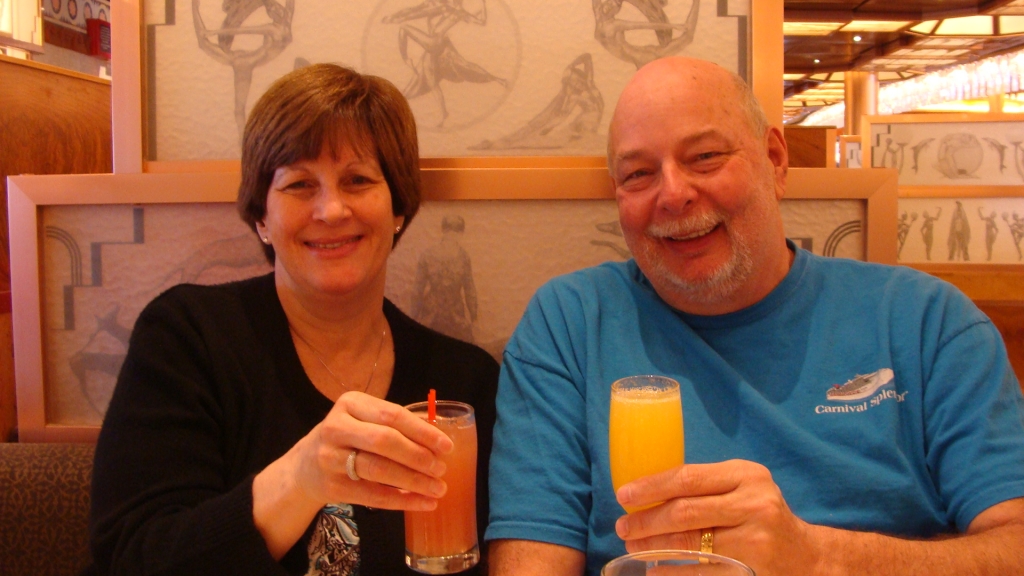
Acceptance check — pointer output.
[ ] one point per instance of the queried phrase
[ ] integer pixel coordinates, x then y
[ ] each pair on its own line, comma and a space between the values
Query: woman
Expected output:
257, 427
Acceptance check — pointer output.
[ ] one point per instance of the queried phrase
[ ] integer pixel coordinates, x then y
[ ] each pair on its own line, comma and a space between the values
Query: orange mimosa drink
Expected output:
645, 428
444, 541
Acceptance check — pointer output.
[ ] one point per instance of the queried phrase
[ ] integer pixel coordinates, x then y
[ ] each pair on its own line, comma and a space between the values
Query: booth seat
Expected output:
44, 508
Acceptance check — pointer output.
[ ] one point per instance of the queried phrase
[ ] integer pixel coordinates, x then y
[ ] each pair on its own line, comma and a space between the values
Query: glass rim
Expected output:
627, 382
668, 554
461, 409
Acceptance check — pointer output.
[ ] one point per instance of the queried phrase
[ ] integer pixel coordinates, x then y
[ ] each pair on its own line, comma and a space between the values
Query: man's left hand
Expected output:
737, 500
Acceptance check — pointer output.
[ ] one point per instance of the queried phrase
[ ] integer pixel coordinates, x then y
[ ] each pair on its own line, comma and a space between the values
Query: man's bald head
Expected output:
681, 73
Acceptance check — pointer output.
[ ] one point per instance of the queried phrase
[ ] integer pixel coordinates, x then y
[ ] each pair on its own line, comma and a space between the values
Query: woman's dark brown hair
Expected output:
325, 107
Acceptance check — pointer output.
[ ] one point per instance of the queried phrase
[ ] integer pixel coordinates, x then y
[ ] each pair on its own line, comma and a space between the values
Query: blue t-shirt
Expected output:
880, 398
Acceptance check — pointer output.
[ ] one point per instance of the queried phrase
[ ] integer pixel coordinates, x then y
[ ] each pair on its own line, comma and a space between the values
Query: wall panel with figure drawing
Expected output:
93, 250
465, 268
484, 77
961, 180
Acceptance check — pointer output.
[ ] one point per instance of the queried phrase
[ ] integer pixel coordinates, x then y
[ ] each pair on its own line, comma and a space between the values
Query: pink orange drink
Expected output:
645, 428
444, 541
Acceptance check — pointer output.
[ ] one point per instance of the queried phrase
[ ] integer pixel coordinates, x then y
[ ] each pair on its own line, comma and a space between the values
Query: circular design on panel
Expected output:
73, 9
87, 11
960, 155
454, 60
102, 15
55, 5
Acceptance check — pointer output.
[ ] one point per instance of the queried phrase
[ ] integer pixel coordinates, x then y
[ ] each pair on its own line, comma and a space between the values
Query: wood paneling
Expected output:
811, 146
1009, 319
999, 291
52, 121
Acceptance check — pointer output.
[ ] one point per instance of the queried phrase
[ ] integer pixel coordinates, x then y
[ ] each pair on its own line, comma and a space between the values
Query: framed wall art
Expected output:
93, 250
961, 186
517, 77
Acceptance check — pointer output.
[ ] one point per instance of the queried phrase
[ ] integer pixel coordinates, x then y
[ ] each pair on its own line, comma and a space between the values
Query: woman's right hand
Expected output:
398, 463
397, 457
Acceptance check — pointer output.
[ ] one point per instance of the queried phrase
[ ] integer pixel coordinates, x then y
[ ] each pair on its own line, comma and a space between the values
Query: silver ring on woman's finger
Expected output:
350, 465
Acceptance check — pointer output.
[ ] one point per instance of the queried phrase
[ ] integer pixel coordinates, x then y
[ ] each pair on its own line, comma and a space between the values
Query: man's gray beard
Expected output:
717, 287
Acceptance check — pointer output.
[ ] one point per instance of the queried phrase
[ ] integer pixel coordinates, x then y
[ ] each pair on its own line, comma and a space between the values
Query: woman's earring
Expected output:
265, 240
398, 229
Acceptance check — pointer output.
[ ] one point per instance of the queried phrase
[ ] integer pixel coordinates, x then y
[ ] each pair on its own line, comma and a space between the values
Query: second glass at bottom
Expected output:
675, 563
444, 540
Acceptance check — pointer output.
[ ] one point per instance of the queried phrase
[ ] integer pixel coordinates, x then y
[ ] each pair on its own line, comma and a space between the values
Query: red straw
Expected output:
432, 406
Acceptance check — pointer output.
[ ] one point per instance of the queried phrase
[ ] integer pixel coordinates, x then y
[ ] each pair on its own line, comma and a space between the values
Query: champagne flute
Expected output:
645, 428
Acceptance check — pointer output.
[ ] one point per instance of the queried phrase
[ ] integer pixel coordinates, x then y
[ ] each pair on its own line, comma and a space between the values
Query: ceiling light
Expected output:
875, 26
857, 38
810, 28
987, 25
816, 61
966, 26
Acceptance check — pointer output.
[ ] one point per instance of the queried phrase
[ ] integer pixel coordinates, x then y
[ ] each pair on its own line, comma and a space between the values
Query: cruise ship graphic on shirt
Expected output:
860, 386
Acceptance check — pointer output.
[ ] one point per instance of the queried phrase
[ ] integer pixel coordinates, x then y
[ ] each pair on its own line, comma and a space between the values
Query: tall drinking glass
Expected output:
645, 428
444, 540
675, 563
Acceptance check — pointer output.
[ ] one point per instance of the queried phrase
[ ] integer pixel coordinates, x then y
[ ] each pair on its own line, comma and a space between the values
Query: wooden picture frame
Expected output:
29, 195
128, 90
850, 151
1002, 282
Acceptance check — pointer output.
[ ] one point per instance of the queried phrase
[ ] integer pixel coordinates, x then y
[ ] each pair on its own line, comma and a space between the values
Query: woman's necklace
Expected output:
380, 348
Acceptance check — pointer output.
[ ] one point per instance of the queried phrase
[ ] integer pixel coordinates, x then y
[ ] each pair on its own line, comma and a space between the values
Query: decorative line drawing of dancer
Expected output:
440, 59
991, 231
917, 149
928, 230
615, 229
1000, 149
610, 31
107, 364
902, 229
1016, 231
445, 291
579, 95
892, 156
277, 35
959, 234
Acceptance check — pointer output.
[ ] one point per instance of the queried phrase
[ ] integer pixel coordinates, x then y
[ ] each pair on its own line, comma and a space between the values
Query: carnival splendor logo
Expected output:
862, 392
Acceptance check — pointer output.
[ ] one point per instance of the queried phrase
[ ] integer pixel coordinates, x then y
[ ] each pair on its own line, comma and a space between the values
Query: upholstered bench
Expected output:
44, 508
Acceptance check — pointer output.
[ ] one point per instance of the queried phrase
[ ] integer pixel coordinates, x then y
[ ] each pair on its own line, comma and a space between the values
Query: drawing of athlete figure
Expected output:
902, 229
237, 253
959, 234
440, 59
991, 231
579, 95
277, 35
1016, 231
928, 230
445, 292
892, 156
108, 364
610, 31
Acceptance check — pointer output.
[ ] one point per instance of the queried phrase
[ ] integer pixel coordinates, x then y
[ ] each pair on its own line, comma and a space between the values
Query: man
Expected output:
841, 417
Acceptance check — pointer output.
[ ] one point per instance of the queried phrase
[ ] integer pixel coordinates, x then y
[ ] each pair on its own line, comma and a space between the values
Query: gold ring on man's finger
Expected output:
707, 543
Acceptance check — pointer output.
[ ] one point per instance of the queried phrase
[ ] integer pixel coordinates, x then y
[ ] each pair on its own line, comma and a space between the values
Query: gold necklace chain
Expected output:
380, 348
